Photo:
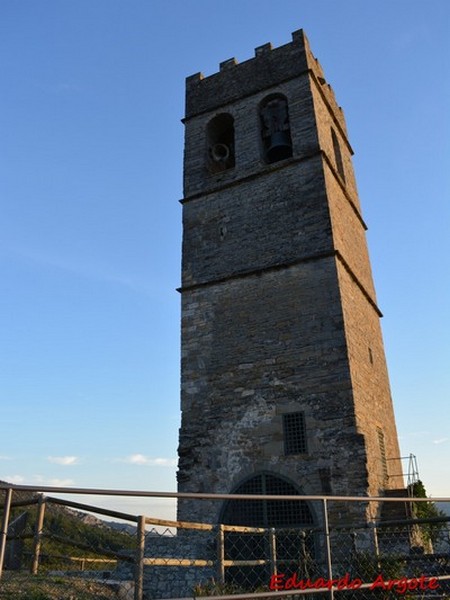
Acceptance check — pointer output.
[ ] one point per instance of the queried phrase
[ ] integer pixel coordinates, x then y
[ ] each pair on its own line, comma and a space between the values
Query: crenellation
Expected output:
194, 79
228, 64
325, 88
263, 49
272, 66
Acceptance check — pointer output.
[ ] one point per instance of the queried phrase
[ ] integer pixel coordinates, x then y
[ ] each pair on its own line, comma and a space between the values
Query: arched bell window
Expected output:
275, 128
220, 140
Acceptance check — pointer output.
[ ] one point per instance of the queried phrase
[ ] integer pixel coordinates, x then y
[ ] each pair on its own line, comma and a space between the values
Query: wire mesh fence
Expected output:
58, 549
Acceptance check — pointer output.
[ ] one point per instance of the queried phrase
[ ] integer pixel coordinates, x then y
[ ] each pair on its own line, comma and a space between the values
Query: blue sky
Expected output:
90, 172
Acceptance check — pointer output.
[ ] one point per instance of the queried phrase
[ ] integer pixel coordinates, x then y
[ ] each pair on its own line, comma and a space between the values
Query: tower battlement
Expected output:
269, 67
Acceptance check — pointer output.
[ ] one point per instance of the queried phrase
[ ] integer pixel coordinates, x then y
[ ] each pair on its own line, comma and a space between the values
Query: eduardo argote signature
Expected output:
401, 586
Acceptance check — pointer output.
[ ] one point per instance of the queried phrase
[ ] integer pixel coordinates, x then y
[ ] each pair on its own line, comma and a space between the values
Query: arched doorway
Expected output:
291, 520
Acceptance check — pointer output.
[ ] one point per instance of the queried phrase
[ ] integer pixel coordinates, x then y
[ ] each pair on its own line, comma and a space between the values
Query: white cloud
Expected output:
414, 434
440, 440
54, 481
36, 480
141, 459
5, 457
18, 479
63, 460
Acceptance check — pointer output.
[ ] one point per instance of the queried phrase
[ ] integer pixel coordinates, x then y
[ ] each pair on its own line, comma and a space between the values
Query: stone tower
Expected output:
284, 386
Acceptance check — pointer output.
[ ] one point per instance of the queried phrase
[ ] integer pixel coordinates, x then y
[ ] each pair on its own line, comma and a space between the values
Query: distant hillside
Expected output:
444, 507
71, 532
122, 527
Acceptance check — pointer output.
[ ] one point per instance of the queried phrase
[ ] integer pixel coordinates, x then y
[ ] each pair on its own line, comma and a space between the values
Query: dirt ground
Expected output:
27, 587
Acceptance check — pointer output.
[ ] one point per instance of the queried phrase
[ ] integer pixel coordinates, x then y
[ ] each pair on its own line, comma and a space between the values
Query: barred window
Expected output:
382, 445
292, 520
338, 155
267, 513
294, 433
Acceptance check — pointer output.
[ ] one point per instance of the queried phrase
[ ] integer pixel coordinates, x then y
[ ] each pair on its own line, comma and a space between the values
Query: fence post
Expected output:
221, 554
376, 546
4, 527
273, 551
38, 535
327, 544
139, 560
304, 554
354, 536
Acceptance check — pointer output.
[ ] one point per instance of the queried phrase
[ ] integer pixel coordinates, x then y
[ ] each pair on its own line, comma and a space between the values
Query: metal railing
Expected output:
412, 471
313, 558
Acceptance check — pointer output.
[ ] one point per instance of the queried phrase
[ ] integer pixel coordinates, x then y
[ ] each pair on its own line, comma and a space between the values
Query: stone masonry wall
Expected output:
279, 218
255, 348
171, 581
373, 403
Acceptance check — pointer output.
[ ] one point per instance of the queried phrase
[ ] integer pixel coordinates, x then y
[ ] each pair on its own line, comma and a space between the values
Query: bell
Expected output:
280, 146
220, 153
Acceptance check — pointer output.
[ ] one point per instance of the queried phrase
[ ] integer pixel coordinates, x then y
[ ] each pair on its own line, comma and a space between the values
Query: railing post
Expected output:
38, 535
354, 536
273, 551
139, 560
304, 554
376, 546
327, 544
221, 554
4, 527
